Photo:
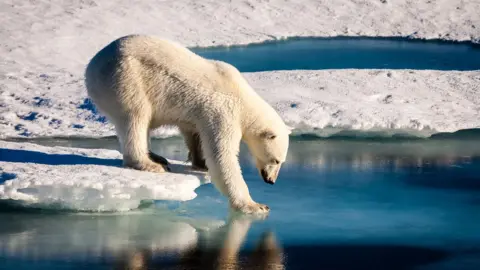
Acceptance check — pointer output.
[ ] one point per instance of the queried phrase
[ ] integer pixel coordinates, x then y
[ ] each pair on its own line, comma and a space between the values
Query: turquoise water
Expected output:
348, 52
338, 204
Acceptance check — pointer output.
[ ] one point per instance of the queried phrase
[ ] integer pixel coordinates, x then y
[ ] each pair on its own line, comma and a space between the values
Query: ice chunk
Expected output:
87, 180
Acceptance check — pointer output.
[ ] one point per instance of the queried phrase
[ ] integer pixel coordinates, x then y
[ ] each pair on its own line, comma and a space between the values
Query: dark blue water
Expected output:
338, 204
348, 52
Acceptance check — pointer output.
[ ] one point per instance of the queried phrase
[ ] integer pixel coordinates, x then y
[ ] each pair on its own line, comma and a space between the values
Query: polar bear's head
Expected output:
269, 149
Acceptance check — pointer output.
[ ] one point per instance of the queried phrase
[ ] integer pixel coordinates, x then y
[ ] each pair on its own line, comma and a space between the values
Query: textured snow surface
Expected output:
45, 46
324, 102
82, 179
415, 102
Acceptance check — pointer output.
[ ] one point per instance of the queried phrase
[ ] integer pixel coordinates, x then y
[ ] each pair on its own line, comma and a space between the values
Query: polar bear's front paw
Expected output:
148, 166
252, 208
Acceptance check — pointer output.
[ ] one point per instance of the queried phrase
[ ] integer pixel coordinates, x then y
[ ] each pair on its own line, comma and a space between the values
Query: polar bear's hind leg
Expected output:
158, 159
195, 155
154, 157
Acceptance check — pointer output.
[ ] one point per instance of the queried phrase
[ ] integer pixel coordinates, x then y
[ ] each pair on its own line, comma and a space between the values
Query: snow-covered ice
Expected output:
326, 102
86, 179
45, 45
49, 34
419, 103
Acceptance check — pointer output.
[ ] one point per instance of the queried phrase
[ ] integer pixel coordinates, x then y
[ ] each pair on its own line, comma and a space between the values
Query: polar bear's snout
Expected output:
270, 173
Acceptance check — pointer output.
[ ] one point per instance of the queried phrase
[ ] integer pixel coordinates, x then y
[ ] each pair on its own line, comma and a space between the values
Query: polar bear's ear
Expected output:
268, 135
290, 129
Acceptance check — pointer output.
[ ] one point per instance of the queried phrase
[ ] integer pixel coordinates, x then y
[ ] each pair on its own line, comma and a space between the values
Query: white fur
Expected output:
141, 83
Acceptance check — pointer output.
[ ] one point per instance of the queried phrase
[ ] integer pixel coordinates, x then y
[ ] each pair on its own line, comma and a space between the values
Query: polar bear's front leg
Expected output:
221, 145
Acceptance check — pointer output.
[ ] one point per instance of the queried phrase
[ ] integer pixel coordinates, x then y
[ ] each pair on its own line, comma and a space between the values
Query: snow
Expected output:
45, 46
65, 34
418, 103
86, 179
325, 102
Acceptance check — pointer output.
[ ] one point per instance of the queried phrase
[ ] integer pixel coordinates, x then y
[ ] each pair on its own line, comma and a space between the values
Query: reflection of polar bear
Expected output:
141, 83
218, 249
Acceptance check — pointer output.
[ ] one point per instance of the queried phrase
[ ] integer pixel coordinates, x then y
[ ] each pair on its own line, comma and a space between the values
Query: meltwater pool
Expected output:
348, 53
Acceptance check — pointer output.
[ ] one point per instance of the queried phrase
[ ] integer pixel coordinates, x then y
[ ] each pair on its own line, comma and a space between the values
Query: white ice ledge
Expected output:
42, 91
321, 101
420, 103
86, 180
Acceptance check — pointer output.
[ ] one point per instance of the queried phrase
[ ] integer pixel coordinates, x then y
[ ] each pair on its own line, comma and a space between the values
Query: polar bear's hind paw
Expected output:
148, 166
158, 159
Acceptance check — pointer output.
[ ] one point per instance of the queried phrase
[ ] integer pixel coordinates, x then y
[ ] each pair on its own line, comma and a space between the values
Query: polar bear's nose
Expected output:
265, 177
268, 181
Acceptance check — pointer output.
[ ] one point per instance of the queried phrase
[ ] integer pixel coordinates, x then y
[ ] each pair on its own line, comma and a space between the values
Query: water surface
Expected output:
348, 52
338, 204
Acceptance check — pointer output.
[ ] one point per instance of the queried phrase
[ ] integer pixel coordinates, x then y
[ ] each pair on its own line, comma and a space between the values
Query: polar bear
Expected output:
141, 82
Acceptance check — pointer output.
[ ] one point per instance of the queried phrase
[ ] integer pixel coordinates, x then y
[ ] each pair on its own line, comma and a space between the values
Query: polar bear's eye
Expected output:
269, 135
275, 161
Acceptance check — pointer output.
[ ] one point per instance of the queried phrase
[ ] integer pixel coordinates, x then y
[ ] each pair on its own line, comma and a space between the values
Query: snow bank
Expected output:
418, 103
45, 46
324, 102
82, 179
64, 35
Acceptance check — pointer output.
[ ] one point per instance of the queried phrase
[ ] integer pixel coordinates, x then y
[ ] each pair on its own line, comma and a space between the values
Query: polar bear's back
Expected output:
160, 51
149, 56
151, 52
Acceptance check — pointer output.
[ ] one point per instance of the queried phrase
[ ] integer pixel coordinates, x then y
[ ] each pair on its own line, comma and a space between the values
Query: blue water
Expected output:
348, 52
338, 204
